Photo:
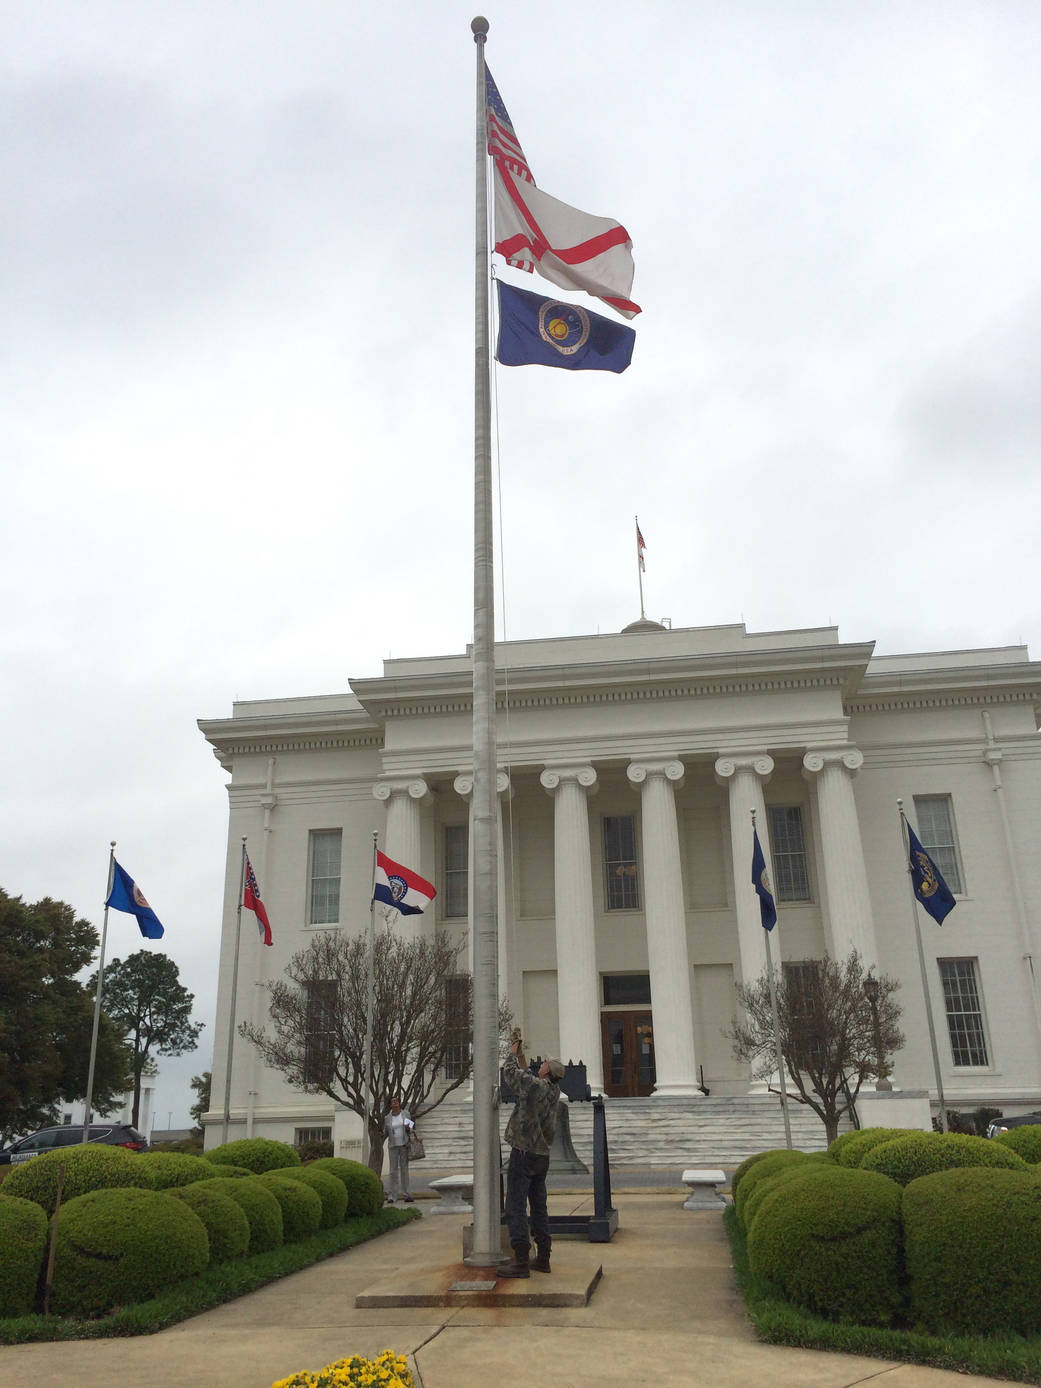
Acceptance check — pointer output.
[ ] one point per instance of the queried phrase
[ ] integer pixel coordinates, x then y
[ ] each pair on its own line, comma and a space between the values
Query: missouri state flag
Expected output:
400, 888
127, 896
252, 902
929, 887
537, 330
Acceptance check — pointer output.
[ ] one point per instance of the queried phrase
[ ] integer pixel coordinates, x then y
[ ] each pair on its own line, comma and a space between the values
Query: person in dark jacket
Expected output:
529, 1133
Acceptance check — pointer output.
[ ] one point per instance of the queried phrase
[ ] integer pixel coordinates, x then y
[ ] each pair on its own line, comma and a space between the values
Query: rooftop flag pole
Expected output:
641, 566
234, 993
904, 834
484, 907
97, 998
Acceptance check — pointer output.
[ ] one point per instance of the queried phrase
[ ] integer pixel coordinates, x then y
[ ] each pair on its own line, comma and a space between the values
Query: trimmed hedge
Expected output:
115, 1247
301, 1206
843, 1140
256, 1154
23, 1239
260, 1207
772, 1163
853, 1152
169, 1169
743, 1170
226, 1225
331, 1191
89, 1166
364, 1187
788, 1173
832, 1242
903, 1159
1024, 1141
972, 1238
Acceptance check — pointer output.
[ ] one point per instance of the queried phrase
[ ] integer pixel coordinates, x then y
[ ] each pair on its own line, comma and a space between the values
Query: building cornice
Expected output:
955, 686
272, 733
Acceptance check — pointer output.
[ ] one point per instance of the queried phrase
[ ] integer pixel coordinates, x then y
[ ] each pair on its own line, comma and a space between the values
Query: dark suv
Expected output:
1002, 1125
47, 1139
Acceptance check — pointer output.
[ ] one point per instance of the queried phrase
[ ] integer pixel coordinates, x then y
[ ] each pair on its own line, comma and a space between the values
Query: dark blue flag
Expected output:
538, 331
127, 896
761, 882
929, 887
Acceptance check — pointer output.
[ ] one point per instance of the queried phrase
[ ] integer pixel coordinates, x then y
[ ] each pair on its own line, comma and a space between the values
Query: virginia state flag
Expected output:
400, 887
535, 330
929, 887
761, 882
127, 896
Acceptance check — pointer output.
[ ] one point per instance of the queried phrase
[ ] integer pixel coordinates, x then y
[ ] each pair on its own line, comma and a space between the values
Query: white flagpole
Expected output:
921, 964
97, 998
370, 954
484, 913
639, 568
234, 994
776, 1021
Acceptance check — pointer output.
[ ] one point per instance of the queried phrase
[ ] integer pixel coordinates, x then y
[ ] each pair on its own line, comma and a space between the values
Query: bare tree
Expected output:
421, 1024
833, 1035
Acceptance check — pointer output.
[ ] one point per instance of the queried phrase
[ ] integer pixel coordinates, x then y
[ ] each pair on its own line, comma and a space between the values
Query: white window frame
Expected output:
319, 918
785, 859
620, 872
941, 842
971, 1033
456, 879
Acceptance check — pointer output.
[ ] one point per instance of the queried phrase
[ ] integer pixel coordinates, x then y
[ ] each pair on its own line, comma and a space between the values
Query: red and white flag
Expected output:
400, 888
535, 231
252, 902
640, 547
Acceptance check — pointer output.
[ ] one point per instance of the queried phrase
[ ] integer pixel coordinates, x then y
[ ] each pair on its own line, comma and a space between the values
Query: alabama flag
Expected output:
400, 887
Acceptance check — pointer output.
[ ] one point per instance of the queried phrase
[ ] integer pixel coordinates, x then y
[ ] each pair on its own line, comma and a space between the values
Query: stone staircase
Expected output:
668, 1132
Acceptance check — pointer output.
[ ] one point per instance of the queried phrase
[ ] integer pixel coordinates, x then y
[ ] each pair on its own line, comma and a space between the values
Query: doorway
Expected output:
628, 1044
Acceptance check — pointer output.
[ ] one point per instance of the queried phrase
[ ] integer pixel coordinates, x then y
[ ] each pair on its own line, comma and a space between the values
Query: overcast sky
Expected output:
236, 398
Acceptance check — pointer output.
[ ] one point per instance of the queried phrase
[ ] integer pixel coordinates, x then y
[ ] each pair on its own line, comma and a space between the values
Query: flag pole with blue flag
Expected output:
768, 916
929, 890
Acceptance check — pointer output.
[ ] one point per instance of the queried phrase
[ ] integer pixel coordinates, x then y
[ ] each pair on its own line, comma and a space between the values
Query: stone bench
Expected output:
703, 1193
455, 1195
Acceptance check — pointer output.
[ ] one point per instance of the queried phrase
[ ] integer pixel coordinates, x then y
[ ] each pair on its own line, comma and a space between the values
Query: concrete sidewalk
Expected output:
667, 1311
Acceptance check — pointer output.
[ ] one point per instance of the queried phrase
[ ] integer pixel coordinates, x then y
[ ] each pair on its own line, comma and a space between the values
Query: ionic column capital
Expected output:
728, 766
640, 772
850, 759
556, 776
464, 784
413, 786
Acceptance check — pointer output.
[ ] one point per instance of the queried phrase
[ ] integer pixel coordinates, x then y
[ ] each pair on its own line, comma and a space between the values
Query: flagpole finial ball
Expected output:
479, 25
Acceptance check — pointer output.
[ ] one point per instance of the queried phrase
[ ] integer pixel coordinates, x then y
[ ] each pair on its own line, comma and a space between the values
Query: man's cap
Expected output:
556, 1068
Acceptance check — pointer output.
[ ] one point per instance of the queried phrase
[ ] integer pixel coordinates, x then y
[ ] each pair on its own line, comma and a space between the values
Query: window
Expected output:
454, 900
324, 908
788, 850
457, 1027
935, 817
961, 998
627, 990
623, 886
320, 1037
804, 1004
302, 1135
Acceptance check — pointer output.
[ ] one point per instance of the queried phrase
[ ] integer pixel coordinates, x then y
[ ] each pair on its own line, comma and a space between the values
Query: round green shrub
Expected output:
23, 1238
89, 1166
301, 1206
903, 1159
853, 1152
259, 1206
225, 1222
364, 1187
788, 1173
168, 1169
331, 1192
971, 1239
256, 1154
1024, 1141
115, 1247
843, 1140
742, 1171
763, 1170
832, 1242
226, 1169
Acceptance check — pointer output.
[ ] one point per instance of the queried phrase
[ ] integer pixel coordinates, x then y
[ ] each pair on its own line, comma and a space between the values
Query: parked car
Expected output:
1002, 1125
69, 1135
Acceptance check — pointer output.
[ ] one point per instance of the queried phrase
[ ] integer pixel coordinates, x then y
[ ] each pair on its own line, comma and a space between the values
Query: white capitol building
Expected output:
628, 767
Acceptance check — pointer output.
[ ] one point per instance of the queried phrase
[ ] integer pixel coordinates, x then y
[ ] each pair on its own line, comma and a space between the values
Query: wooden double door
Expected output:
628, 1046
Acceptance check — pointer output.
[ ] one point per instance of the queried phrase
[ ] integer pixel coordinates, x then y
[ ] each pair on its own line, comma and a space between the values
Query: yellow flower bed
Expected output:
390, 1370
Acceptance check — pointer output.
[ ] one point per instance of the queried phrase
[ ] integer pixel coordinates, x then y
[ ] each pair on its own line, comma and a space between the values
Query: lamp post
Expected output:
871, 993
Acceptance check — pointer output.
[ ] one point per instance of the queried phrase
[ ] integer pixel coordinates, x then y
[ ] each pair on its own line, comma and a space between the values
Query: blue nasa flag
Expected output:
536, 330
929, 887
761, 882
127, 896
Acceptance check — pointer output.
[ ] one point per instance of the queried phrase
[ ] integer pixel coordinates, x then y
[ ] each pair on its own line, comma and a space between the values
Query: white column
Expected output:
675, 1063
402, 840
578, 997
850, 923
745, 776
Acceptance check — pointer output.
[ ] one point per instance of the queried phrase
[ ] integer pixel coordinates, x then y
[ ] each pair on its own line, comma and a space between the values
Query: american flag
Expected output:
640, 547
502, 138
252, 902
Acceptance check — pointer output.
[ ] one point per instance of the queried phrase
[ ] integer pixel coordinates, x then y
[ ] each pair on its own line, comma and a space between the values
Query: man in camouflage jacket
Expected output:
529, 1133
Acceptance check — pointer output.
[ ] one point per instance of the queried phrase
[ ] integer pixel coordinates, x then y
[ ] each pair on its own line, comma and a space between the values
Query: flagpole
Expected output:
921, 965
639, 568
234, 993
777, 1026
97, 999
484, 914
370, 953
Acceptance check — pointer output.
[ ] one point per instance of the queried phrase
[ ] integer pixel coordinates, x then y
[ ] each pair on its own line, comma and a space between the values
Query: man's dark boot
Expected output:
541, 1260
518, 1266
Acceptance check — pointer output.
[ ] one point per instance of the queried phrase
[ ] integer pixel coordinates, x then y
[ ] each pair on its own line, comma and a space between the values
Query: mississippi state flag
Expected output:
252, 902
400, 887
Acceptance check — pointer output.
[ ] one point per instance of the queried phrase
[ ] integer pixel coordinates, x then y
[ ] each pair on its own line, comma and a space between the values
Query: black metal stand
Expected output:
603, 1222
